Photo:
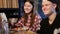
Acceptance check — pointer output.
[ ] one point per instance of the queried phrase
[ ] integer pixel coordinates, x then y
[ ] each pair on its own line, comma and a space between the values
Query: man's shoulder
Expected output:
58, 16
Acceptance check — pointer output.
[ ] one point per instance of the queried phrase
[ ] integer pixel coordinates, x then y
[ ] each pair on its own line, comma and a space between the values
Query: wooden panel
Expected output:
14, 3
8, 3
1, 5
4, 3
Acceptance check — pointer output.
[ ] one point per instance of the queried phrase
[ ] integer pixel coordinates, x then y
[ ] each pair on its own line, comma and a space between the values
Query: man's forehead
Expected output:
44, 0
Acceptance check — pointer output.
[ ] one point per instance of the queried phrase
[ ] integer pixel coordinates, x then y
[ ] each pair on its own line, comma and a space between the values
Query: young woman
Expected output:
51, 24
30, 20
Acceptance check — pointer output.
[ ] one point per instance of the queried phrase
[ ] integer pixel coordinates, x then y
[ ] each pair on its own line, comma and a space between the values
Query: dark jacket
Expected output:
46, 28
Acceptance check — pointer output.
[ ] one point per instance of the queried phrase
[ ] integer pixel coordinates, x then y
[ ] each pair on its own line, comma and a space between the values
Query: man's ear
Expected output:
54, 5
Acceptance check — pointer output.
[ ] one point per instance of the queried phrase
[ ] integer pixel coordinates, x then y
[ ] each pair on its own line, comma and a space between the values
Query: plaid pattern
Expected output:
35, 26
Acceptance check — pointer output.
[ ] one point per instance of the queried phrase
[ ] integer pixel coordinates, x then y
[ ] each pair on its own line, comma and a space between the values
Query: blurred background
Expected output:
14, 9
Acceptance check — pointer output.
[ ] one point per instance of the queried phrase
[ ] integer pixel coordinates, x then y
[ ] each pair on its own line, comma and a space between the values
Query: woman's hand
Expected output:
30, 32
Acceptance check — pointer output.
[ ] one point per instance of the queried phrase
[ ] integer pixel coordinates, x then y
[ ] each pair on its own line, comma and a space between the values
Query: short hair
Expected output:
57, 3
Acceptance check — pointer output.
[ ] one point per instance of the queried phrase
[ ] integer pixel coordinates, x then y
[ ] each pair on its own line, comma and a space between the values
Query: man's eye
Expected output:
42, 5
46, 5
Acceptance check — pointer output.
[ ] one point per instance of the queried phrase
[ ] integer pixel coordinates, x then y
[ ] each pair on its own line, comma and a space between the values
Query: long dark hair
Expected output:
25, 16
57, 3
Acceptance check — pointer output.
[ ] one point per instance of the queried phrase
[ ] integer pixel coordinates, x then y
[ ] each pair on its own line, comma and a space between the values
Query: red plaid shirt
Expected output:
35, 26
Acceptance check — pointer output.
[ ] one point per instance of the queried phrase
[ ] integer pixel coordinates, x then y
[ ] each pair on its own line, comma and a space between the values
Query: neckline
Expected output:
53, 21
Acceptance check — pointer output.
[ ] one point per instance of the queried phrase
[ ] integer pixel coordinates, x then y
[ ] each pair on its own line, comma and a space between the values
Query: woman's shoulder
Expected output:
21, 18
38, 16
